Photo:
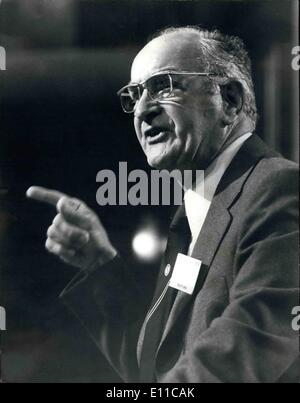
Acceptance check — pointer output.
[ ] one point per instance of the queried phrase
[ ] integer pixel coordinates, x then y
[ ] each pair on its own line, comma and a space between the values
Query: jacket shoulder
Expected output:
275, 165
275, 172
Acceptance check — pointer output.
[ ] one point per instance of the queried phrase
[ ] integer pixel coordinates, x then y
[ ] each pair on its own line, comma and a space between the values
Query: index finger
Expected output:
45, 195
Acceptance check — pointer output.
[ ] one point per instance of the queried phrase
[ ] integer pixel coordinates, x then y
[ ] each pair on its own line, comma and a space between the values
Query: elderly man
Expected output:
192, 98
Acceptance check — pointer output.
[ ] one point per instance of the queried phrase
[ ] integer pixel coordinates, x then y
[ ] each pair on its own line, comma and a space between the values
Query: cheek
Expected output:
195, 127
186, 127
212, 110
206, 117
136, 126
138, 132
211, 114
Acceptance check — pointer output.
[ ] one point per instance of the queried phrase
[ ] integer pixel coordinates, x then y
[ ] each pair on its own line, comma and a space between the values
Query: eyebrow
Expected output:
199, 73
164, 70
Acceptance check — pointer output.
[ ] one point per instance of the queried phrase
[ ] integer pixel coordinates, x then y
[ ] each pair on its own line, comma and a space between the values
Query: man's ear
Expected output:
233, 98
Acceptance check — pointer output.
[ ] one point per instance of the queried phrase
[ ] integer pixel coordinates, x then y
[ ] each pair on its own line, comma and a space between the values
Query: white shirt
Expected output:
197, 202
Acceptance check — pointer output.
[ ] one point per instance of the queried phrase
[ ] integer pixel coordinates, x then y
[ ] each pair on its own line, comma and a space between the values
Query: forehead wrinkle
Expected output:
156, 55
171, 69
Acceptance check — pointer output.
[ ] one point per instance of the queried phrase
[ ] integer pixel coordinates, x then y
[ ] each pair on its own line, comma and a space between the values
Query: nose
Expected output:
146, 108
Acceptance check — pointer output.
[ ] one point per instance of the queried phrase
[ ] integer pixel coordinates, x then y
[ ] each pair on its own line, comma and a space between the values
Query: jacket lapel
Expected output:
218, 220
215, 225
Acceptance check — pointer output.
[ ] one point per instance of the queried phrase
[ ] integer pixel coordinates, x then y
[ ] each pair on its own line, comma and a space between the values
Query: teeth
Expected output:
154, 132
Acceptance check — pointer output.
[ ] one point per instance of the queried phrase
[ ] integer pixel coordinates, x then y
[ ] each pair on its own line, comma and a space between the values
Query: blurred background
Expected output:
60, 123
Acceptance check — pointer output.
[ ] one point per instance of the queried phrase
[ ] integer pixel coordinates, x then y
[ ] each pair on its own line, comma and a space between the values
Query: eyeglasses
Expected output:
159, 87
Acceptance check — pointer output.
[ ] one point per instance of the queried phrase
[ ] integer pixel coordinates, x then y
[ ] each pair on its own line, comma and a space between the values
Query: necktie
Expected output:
178, 241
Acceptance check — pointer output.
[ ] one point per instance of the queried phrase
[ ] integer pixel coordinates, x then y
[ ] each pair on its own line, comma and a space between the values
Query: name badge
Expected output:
185, 273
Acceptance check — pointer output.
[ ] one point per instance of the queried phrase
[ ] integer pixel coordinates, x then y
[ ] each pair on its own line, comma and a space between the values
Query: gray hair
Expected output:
224, 56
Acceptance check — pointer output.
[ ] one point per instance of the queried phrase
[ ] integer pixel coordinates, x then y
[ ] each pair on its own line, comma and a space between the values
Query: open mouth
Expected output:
156, 135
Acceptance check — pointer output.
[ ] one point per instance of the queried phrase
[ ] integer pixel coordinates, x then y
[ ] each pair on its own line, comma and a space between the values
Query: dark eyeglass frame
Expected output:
143, 85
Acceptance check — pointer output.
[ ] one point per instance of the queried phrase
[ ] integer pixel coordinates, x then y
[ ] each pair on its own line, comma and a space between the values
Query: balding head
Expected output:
177, 51
194, 49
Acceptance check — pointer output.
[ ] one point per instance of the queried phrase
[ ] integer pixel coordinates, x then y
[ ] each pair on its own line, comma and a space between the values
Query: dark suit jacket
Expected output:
236, 327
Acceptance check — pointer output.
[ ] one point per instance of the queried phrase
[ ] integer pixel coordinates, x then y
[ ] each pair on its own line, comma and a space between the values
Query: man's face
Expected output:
185, 127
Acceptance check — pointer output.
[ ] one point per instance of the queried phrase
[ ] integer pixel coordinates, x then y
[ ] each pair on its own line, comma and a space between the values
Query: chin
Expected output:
161, 155
161, 162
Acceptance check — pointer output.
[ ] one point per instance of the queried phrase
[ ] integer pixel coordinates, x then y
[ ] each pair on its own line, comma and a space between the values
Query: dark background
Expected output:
60, 123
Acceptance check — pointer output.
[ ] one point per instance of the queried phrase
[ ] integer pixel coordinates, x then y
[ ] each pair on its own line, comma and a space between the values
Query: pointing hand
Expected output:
76, 235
